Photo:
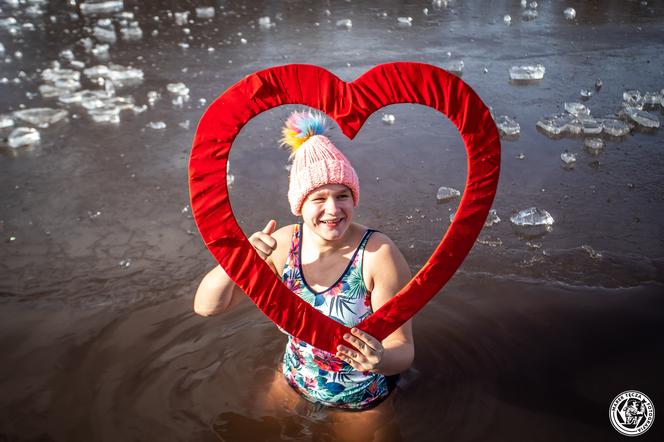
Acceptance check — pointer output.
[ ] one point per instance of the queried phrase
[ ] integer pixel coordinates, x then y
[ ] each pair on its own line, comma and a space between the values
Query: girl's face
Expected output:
328, 211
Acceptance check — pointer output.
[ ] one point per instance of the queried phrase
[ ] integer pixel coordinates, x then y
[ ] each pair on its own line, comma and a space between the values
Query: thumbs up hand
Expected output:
263, 242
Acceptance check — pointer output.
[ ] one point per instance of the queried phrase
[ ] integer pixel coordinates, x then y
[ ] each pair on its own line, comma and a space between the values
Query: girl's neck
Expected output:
324, 248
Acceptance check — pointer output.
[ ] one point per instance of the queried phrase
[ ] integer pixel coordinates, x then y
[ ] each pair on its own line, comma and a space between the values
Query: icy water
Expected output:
100, 256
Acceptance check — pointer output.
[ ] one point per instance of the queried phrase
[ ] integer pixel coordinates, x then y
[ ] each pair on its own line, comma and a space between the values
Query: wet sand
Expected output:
530, 340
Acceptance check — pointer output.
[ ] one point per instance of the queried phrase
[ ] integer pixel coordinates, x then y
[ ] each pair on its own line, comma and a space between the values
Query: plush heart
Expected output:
349, 104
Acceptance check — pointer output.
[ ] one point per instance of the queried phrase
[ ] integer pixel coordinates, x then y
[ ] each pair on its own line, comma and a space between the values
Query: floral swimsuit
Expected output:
317, 375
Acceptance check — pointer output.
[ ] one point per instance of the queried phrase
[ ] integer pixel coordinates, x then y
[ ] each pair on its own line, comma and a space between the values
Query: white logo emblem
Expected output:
631, 413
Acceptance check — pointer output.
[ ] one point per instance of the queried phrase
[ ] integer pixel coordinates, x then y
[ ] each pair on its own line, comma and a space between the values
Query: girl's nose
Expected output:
331, 205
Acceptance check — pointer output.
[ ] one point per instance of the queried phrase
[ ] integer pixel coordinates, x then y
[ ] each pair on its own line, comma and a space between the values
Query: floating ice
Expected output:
455, 67
590, 126
559, 124
527, 72
614, 127
594, 145
2, 50
529, 14
532, 222
345, 23
100, 50
6, 121
125, 263
641, 117
132, 32
265, 23
181, 18
41, 116
67, 54
577, 109
507, 19
570, 13
633, 98
153, 97
405, 21
490, 241
568, 158
388, 119
59, 75
84, 96
492, 218
205, 12
50, 91
446, 194
585, 93
177, 89
120, 75
508, 126
158, 125
105, 31
23, 136
102, 7
652, 98
591, 252
598, 84
520, 156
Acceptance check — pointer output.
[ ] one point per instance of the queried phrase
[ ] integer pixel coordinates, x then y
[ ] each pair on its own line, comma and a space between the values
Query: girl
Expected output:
344, 269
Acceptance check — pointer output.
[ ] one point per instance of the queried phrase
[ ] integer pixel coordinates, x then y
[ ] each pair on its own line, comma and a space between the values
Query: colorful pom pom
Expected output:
301, 126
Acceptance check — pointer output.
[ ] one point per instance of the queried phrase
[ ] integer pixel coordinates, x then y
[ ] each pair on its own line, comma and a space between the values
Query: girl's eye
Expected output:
344, 196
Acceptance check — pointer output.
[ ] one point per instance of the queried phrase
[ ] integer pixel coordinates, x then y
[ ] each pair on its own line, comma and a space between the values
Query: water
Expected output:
531, 336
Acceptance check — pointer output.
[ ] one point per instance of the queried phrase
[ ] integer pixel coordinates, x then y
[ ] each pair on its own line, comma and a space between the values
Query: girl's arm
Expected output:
217, 292
388, 270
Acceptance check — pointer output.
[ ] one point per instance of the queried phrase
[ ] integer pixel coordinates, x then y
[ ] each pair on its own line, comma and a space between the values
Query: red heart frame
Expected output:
349, 104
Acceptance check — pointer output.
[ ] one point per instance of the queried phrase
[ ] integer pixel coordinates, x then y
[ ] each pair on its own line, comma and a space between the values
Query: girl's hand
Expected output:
263, 242
370, 352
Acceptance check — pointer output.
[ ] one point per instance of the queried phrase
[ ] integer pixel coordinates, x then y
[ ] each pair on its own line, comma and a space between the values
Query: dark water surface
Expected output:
528, 341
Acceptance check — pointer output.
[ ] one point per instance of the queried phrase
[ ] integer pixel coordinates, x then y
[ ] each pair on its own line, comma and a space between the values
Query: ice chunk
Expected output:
559, 124
80, 97
529, 14
652, 98
23, 136
570, 13
591, 252
446, 194
405, 21
50, 91
492, 218
2, 50
101, 7
6, 121
455, 67
388, 119
633, 98
104, 31
100, 50
527, 72
345, 23
614, 127
490, 241
265, 23
641, 117
153, 97
507, 19
181, 18
132, 32
178, 89
41, 116
67, 54
568, 158
577, 109
158, 125
57, 74
205, 12
590, 126
594, 145
585, 93
532, 222
598, 84
508, 126
120, 75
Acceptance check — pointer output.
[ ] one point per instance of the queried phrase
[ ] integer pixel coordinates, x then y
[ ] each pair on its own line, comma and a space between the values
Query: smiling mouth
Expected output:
332, 222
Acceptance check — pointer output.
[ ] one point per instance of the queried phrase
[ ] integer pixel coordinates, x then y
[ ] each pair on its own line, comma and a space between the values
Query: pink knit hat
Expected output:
316, 161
